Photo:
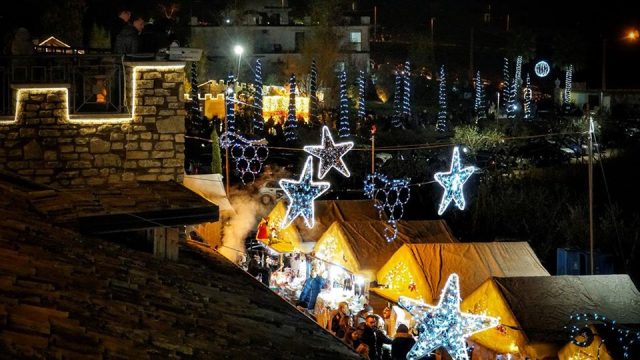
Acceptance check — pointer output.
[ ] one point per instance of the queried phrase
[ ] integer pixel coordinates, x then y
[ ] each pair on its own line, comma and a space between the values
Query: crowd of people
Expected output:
366, 333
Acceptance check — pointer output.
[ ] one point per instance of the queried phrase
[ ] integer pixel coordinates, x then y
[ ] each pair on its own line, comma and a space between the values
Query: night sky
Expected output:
543, 18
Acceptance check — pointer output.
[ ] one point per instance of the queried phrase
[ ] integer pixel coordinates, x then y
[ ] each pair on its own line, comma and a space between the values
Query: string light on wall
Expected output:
453, 181
344, 129
301, 195
258, 120
444, 325
441, 124
290, 126
330, 154
391, 195
248, 155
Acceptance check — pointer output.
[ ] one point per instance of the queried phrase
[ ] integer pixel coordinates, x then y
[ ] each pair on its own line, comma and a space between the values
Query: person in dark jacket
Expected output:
128, 40
343, 312
374, 337
119, 23
402, 343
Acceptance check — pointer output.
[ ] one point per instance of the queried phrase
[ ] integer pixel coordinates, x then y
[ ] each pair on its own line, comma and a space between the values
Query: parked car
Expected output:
270, 192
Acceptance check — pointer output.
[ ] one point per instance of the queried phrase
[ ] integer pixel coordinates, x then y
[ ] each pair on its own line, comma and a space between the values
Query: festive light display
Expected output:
479, 104
396, 121
542, 68
441, 124
399, 278
625, 337
391, 196
277, 106
195, 113
230, 103
453, 182
517, 78
313, 92
248, 155
506, 82
330, 154
290, 126
444, 325
301, 195
344, 129
566, 98
406, 90
528, 94
361, 87
258, 120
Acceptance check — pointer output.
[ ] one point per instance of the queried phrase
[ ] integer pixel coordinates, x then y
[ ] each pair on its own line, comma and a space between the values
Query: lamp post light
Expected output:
238, 50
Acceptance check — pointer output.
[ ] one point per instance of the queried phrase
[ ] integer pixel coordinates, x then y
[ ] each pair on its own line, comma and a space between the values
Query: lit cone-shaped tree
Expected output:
258, 120
344, 129
291, 125
441, 124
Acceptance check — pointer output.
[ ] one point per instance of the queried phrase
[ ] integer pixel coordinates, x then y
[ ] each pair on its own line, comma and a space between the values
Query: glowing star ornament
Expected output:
301, 195
452, 182
444, 325
330, 154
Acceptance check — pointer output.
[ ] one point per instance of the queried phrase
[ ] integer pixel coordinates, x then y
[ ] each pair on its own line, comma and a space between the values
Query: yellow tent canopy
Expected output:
298, 237
420, 270
536, 309
361, 247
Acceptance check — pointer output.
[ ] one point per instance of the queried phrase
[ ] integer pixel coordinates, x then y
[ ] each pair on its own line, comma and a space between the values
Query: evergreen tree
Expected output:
258, 120
344, 129
216, 157
290, 126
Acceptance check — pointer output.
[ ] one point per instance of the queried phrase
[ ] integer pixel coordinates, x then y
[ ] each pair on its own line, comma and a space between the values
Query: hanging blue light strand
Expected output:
258, 120
479, 103
396, 121
441, 124
506, 82
406, 90
344, 129
528, 95
313, 93
230, 103
290, 127
361, 92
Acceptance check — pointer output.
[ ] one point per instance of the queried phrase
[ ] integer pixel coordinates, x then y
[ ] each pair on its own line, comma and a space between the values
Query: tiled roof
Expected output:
63, 295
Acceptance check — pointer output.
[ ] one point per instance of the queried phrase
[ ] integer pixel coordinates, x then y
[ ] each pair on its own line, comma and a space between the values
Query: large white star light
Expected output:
444, 325
330, 154
301, 195
452, 182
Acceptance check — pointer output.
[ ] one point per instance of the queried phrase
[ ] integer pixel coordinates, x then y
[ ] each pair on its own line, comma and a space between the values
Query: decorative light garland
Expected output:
301, 195
396, 120
479, 104
406, 90
566, 98
291, 124
230, 104
361, 102
391, 196
453, 181
517, 79
258, 120
400, 278
248, 155
195, 103
542, 68
344, 129
444, 325
506, 82
313, 92
624, 336
528, 95
330, 154
441, 124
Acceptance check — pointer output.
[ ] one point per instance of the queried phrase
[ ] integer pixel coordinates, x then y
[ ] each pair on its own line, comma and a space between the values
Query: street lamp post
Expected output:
238, 50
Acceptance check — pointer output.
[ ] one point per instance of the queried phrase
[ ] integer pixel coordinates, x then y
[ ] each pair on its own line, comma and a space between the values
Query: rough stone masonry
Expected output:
45, 145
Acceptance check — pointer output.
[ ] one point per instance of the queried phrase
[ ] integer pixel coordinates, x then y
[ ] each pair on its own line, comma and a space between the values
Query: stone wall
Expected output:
47, 145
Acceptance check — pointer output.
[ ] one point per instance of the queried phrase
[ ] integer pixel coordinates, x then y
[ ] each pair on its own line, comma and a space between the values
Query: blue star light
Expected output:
330, 154
452, 182
444, 325
301, 195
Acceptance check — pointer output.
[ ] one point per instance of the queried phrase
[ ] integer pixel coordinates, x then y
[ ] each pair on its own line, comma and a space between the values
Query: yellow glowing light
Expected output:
115, 120
277, 106
633, 35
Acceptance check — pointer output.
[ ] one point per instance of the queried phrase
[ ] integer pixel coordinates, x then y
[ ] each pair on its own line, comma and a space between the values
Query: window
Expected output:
355, 37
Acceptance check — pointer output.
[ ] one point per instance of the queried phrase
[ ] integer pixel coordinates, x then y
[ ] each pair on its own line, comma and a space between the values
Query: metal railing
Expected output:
96, 80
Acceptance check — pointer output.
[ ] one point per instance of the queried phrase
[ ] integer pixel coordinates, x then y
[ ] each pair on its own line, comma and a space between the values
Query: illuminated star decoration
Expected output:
301, 195
452, 182
330, 154
444, 325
